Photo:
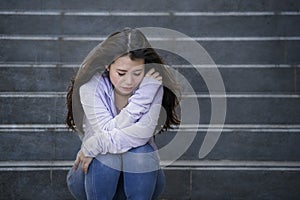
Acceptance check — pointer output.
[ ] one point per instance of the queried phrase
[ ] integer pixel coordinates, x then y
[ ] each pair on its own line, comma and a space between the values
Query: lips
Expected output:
127, 88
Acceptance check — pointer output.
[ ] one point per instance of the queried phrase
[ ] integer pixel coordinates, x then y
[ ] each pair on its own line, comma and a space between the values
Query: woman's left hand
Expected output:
154, 74
85, 162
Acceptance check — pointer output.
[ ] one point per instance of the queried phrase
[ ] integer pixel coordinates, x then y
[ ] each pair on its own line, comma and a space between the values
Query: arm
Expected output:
121, 140
98, 115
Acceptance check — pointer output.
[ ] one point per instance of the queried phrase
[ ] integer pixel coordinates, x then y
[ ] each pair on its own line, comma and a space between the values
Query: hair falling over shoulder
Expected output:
69, 118
130, 42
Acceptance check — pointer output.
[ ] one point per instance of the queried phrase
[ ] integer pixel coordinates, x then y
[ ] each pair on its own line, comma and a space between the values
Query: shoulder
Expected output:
99, 83
92, 83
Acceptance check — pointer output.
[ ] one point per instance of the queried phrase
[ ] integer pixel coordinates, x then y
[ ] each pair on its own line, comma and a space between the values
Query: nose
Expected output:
129, 80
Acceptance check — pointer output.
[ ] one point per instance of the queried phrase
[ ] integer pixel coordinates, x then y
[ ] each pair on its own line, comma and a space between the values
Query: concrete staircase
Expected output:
255, 45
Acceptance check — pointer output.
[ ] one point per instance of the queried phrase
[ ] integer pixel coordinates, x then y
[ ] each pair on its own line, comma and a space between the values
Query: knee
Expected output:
140, 185
141, 159
142, 149
75, 177
113, 161
101, 181
75, 183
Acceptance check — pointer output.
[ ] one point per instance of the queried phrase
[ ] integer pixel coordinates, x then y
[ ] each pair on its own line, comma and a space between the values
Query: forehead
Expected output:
125, 63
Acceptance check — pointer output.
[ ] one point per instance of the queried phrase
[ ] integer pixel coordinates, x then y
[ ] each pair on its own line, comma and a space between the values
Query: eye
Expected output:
137, 74
121, 74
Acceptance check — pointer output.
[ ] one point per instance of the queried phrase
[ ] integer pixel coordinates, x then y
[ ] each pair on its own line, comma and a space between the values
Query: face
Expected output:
126, 74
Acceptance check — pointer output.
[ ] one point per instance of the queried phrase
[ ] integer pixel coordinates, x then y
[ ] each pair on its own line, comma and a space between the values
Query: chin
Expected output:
125, 93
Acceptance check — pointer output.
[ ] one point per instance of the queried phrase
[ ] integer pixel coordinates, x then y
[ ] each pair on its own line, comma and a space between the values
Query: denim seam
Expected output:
93, 183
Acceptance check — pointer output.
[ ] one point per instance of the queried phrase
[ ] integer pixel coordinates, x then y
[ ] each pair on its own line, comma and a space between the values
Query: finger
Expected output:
155, 75
76, 163
150, 72
159, 79
85, 167
78, 160
82, 166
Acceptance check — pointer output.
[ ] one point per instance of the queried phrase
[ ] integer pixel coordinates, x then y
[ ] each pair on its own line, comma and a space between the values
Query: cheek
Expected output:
137, 81
114, 79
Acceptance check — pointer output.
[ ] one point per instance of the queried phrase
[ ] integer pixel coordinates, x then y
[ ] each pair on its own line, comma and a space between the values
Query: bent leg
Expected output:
75, 182
160, 184
101, 180
140, 172
120, 194
159, 187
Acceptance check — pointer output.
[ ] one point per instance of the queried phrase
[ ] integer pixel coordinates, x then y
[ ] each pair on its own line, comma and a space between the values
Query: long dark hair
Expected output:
137, 47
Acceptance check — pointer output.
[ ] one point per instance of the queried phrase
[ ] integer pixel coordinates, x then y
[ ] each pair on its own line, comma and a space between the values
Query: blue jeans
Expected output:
112, 176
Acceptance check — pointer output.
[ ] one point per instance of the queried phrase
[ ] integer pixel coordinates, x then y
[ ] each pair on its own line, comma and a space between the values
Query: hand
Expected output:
153, 74
85, 162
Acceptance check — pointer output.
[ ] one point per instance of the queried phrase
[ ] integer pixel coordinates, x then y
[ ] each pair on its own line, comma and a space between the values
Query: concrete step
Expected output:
238, 144
50, 108
235, 143
237, 79
222, 52
36, 79
235, 184
181, 184
242, 79
47, 110
101, 26
39, 145
153, 6
25, 184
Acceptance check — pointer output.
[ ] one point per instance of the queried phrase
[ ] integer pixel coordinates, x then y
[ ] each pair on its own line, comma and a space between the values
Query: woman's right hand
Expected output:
85, 162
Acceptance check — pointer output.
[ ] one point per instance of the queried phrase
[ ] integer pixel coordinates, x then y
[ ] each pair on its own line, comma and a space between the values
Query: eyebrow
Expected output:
137, 70
123, 70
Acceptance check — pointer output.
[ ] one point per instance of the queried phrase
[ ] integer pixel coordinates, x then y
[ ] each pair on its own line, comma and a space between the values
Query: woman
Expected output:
120, 97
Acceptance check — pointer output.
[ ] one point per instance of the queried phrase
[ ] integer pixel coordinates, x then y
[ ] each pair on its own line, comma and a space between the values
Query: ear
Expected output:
107, 67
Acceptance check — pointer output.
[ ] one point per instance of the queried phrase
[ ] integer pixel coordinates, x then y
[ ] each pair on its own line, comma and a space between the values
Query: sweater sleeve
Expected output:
121, 140
132, 127
97, 111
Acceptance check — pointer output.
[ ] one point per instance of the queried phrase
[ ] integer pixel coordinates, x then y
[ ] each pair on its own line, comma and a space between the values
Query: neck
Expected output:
120, 100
